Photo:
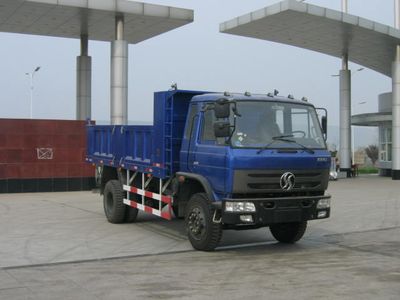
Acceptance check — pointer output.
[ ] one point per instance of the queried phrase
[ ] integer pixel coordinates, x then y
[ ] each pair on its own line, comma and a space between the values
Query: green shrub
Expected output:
368, 170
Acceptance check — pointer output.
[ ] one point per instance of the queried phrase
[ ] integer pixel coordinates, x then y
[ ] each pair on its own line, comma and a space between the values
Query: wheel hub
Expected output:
196, 222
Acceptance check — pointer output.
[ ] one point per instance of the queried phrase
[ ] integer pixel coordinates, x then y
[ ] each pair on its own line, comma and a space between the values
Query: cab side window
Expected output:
208, 127
189, 125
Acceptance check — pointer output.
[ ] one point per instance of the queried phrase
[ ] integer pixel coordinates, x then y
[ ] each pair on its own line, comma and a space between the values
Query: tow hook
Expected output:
215, 220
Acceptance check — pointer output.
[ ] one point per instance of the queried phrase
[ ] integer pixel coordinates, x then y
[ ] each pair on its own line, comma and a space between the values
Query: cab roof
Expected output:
212, 97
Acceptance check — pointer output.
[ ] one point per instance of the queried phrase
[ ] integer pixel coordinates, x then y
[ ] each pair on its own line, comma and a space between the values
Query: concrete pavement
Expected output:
352, 255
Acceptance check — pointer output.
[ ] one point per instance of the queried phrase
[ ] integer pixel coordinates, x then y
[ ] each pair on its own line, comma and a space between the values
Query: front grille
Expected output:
262, 181
276, 186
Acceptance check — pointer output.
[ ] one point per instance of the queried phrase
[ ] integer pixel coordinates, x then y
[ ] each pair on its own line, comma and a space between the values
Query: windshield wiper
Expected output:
278, 137
297, 143
284, 138
274, 139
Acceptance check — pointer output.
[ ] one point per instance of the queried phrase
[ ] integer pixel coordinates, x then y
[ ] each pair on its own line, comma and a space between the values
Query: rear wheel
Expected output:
288, 232
113, 202
203, 233
130, 214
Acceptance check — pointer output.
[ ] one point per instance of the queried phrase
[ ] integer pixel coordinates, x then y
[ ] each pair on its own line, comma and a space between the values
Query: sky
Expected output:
196, 56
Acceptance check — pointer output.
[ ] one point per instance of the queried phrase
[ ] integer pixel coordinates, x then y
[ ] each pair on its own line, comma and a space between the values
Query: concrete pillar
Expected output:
345, 118
119, 75
396, 117
84, 82
344, 6
396, 102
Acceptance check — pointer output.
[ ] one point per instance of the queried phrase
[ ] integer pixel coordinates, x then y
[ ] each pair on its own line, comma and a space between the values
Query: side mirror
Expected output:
222, 108
222, 129
324, 124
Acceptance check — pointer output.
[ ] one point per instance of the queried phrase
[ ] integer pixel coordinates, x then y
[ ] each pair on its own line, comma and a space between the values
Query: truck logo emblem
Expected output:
287, 181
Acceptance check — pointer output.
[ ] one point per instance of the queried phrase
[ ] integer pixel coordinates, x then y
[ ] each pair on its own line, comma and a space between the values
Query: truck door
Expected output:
207, 155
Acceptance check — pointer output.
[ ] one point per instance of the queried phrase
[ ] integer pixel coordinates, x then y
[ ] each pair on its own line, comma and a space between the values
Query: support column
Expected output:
344, 6
119, 75
345, 117
396, 117
396, 103
84, 82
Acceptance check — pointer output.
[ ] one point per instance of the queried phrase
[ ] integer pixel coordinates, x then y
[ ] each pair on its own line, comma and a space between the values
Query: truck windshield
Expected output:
262, 124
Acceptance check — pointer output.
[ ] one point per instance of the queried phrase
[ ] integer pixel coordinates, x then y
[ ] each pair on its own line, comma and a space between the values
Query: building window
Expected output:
385, 139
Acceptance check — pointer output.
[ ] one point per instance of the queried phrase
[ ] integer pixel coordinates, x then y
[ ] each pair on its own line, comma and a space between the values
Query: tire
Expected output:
288, 232
113, 202
130, 214
203, 233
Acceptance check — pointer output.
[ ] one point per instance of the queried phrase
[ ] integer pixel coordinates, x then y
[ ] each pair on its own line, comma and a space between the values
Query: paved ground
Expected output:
59, 245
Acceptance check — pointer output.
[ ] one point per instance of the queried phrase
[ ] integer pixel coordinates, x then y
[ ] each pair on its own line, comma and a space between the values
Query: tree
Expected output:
373, 153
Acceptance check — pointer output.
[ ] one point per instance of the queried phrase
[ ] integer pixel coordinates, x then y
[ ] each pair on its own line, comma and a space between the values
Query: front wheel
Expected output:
288, 232
203, 233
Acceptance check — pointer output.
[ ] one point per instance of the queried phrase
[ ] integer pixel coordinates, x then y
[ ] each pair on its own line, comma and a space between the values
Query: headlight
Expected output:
240, 207
324, 203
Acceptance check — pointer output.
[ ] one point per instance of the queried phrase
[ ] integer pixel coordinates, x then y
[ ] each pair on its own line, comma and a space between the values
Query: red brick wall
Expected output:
66, 148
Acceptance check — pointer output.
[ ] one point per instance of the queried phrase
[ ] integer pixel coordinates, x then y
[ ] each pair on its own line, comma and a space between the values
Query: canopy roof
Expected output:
323, 30
372, 119
72, 18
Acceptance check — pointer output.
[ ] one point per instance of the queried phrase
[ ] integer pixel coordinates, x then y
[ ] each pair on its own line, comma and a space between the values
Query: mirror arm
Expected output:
234, 109
228, 141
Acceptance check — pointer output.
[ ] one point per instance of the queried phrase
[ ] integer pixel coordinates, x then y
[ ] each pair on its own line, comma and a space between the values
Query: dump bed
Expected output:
149, 149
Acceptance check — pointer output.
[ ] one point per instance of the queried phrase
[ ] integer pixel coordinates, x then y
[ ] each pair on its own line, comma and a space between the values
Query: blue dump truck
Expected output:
220, 161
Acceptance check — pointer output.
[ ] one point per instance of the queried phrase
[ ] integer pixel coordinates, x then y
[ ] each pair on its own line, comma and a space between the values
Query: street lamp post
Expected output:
31, 75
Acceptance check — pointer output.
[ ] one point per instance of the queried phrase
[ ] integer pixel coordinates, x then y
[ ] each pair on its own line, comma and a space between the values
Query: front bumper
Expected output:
276, 210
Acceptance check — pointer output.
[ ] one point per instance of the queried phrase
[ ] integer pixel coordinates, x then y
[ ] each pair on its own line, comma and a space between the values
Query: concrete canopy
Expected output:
95, 18
323, 30
372, 119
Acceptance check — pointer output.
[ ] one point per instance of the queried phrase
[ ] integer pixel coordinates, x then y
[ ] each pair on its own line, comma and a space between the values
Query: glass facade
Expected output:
385, 143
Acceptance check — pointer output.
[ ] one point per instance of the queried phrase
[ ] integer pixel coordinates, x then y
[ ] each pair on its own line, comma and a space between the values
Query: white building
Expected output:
383, 120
